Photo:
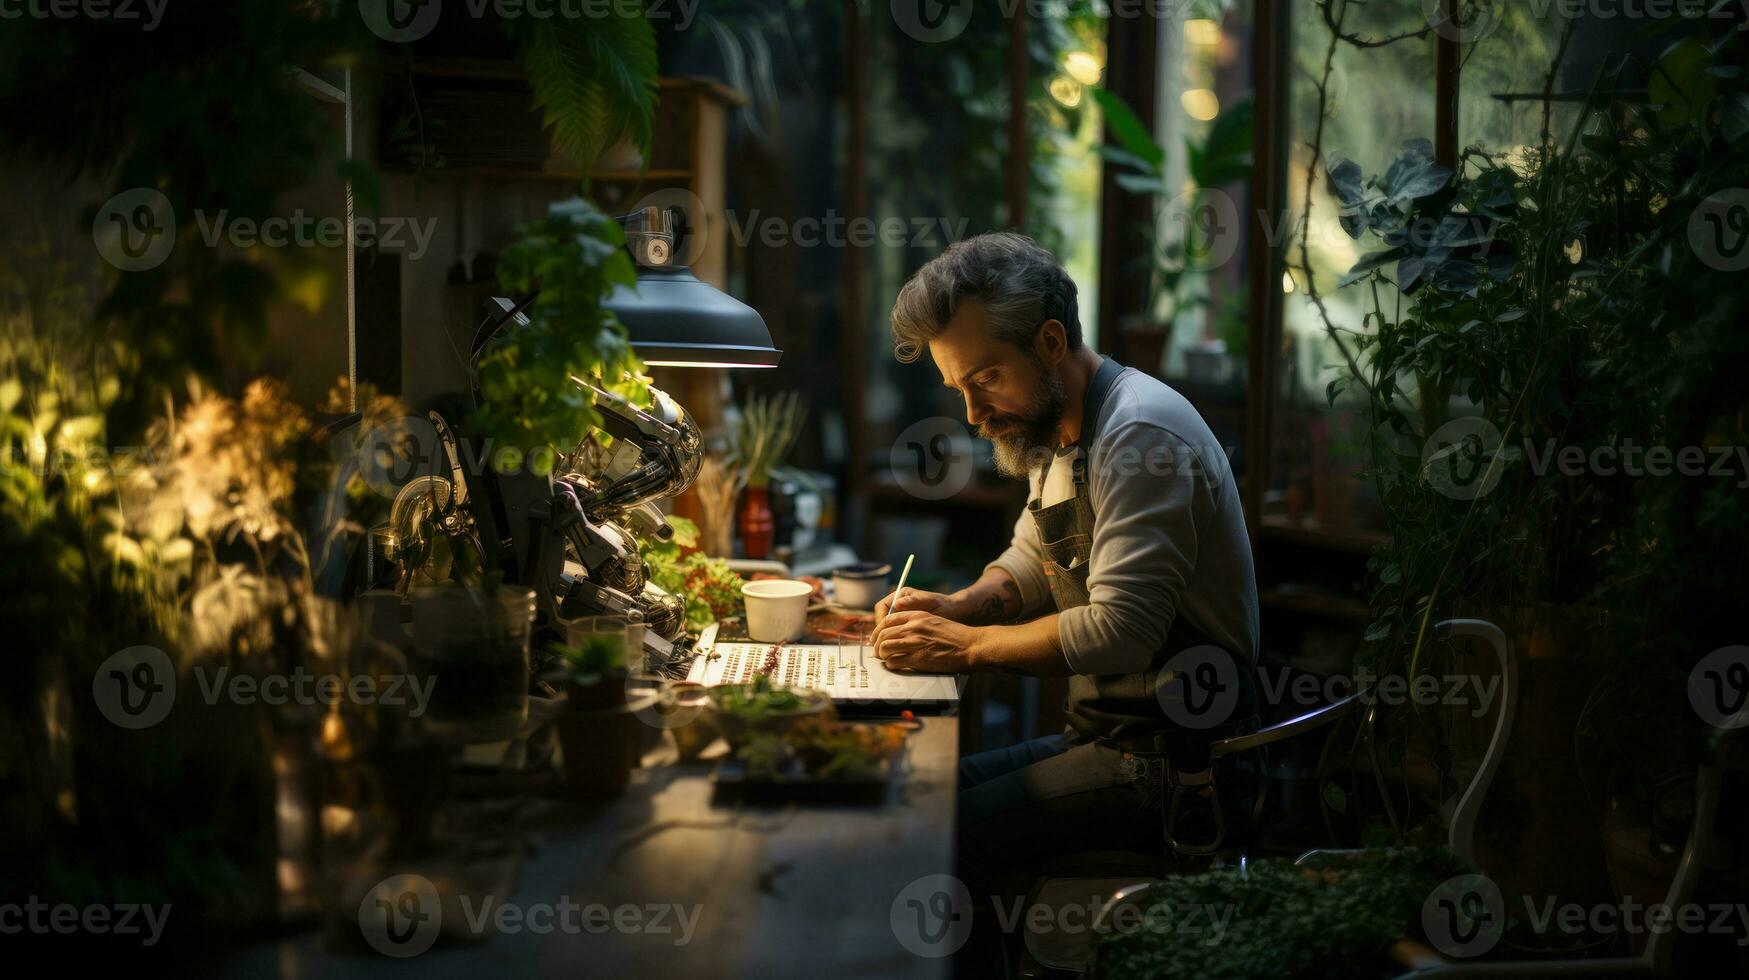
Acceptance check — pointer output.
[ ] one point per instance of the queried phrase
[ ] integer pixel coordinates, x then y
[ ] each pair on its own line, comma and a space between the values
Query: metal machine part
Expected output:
572, 535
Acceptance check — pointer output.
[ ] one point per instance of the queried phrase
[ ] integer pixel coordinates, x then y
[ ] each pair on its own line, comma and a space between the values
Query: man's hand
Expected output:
908, 600
914, 639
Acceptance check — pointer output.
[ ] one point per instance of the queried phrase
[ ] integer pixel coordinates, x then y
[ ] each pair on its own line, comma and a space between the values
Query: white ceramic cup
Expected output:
862, 586
777, 609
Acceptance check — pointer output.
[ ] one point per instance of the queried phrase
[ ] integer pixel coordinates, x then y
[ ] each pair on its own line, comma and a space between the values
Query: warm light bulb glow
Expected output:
1287, 282
1200, 104
1202, 31
1082, 67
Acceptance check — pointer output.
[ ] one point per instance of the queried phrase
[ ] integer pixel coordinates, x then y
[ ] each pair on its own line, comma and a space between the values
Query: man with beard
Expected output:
1130, 572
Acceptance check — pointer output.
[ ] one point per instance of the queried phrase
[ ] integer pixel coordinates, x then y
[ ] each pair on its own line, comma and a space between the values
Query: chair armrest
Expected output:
1316, 718
1345, 853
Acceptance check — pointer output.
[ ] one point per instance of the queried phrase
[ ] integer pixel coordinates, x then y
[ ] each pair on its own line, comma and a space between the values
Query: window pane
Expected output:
1375, 99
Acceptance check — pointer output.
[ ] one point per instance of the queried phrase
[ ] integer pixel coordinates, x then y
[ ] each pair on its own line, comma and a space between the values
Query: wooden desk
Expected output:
781, 891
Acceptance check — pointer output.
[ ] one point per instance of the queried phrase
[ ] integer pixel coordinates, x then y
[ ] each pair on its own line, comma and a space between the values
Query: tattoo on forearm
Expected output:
1003, 604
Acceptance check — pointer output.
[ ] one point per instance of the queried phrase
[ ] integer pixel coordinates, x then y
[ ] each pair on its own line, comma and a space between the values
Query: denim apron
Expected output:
1124, 711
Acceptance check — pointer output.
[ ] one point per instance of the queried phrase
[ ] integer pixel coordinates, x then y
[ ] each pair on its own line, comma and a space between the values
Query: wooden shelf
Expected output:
1310, 603
1357, 540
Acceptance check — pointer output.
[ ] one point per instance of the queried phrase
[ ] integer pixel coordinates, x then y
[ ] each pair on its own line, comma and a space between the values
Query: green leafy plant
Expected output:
1556, 301
767, 431
575, 257
1221, 157
709, 587
756, 701
594, 658
594, 78
1328, 918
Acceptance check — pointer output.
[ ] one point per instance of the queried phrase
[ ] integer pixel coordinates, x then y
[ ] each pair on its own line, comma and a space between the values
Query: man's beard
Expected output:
1029, 437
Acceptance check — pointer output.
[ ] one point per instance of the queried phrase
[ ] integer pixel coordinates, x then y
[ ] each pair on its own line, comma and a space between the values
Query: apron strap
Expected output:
1091, 406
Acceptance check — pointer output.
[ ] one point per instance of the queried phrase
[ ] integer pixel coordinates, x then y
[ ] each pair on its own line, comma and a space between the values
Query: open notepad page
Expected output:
832, 668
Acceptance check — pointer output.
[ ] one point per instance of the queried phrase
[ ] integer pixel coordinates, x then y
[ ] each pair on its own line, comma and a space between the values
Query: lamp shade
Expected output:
676, 320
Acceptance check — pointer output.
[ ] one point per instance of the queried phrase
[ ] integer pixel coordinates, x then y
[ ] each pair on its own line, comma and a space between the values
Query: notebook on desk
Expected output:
862, 686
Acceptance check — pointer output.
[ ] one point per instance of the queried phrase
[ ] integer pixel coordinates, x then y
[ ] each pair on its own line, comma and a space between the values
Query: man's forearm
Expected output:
1025, 648
993, 598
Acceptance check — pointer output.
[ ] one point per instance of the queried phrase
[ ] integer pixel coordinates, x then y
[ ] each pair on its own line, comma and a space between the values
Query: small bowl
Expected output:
737, 727
862, 585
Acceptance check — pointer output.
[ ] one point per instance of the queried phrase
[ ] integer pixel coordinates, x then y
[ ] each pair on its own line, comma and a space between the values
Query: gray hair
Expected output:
1019, 284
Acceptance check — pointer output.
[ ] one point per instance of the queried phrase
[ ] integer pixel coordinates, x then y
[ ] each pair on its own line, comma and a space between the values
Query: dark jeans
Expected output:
1021, 806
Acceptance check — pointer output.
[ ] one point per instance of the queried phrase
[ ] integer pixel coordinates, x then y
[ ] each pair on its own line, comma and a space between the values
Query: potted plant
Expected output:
766, 432
1189, 230
600, 732
739, 711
